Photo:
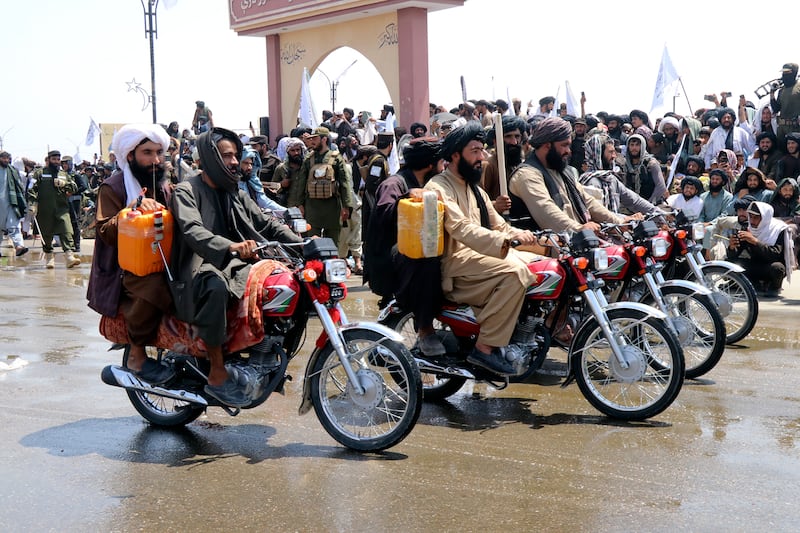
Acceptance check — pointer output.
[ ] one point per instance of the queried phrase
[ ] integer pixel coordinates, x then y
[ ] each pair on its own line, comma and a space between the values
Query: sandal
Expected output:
22, 250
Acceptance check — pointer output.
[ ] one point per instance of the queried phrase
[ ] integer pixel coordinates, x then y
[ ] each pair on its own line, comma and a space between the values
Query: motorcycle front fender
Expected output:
685, 284
652, 311
305, 404
727, 265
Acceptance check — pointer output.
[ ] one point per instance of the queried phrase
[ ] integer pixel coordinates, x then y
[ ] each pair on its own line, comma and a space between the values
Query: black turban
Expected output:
701, 163
510, 123
211, 159
421, 152
743, 202
460, 137
691, 180
551, 129
547, 100
721, 173
416, 125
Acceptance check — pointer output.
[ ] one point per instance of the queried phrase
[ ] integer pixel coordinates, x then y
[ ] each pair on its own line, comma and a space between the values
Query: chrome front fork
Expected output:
337, 342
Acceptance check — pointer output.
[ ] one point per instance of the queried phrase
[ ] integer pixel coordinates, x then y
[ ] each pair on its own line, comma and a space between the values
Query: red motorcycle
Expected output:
626, 361
731, 291
633, 275
363, 383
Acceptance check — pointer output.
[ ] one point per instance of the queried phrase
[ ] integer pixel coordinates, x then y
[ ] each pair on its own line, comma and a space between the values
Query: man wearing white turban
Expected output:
142, 300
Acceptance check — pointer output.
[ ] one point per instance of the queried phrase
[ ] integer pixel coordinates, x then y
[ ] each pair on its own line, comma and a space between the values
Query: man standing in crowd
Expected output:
643, 172
12, 203
728, 136
323, 190
787, 103
50, 194
142, 300
266, 162
377, 171
287, 172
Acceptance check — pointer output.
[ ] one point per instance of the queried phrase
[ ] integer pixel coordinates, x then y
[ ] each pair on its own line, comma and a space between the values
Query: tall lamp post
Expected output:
335, 83
151, 30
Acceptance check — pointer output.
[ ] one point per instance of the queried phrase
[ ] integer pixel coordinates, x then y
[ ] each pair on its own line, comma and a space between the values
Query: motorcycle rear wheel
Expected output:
386, 413
653, 378
435, 387
706, 330
742, 296
159, 410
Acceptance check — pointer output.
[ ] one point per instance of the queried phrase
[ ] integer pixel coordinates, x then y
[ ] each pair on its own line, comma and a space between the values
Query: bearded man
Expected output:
142, 300
515, 132
717, 201
49, 194
546, 189
217, 228
688, 200
478, 267
287, 172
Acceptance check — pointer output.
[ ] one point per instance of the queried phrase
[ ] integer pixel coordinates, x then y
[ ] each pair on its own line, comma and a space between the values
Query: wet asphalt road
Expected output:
77, 457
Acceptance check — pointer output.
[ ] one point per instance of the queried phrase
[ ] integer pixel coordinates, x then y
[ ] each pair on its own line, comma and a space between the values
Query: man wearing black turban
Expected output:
218, 228
546, 190
478, 268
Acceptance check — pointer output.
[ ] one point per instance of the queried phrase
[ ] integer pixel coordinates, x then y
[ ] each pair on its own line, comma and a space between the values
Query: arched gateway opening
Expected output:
392, 34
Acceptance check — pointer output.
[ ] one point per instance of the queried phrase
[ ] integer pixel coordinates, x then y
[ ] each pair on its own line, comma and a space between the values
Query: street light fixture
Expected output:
335, 83
150, 7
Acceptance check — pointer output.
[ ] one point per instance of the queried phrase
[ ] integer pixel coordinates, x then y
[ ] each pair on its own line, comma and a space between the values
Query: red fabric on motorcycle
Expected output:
245, 321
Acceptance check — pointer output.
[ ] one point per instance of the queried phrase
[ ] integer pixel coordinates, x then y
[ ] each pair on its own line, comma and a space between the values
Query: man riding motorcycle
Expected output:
218, 227
478, 267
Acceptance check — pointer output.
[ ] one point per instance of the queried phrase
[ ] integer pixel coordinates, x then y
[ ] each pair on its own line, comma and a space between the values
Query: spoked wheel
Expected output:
638, 389
699, 326
390, 404
160, 410
736, 299
435, 387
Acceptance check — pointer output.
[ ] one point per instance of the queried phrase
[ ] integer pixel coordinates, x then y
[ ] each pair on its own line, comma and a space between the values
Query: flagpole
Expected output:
686, 95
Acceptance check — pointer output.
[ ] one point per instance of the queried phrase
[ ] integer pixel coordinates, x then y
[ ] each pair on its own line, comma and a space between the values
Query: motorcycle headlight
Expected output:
600, 258
299, 225
335, 270
698, 231
659, 247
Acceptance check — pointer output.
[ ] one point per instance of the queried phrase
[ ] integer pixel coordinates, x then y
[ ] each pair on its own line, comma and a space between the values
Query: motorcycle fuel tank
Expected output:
281, 294
549, 279
617, 263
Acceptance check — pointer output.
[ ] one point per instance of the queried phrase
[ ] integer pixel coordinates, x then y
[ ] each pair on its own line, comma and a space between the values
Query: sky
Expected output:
69, 62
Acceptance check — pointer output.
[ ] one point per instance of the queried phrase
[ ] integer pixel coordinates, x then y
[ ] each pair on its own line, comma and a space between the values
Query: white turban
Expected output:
125, 140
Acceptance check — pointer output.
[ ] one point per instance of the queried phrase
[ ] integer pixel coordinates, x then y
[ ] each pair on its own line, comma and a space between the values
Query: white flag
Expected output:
307, 113
667, 76
557, 104
674, 166
572, 104
394, 160
93, 129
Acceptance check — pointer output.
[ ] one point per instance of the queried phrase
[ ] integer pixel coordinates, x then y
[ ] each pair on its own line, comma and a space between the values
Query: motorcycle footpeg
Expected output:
433, 368
279, 388
118, 376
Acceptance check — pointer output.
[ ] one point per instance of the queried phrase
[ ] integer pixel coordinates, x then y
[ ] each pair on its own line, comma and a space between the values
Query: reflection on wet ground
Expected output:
529, 457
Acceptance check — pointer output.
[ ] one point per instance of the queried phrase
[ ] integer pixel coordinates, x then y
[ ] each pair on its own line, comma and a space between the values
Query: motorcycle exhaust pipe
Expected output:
116, 376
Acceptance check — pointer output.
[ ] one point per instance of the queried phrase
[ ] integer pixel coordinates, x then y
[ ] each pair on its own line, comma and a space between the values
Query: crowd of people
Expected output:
733, 168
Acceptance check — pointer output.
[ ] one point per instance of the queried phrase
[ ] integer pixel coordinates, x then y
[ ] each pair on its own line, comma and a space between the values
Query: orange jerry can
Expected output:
138, 236
420, 227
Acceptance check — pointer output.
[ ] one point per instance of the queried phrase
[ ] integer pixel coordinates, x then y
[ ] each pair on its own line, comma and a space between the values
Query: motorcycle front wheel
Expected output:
741, 300
385, 413
160, 410
435, 387
654, 371
701, 331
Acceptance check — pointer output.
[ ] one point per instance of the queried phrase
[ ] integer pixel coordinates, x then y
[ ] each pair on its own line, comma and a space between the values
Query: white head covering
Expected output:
769, 230
125, 140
